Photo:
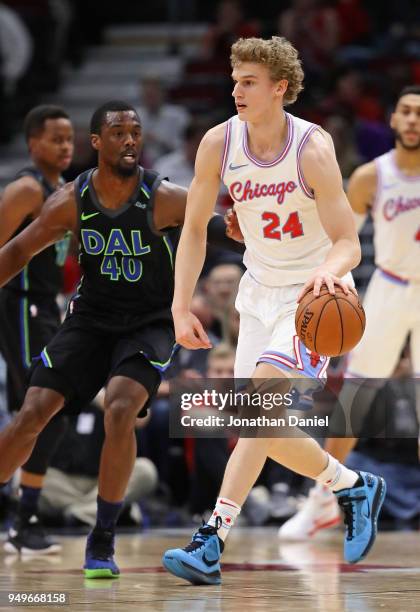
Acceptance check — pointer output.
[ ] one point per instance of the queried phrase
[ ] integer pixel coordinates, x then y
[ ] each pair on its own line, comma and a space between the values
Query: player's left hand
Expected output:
232, 226
324, 277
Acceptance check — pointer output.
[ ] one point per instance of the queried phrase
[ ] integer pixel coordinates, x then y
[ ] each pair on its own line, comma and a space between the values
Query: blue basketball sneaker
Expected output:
361, 505
199, 561
99, 561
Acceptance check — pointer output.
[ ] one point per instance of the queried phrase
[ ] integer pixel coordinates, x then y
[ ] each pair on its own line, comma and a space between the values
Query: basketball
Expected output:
330, 325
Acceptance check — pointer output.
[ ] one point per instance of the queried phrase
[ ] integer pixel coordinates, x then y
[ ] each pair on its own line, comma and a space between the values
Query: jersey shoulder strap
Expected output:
81, 184
38, 176
30, 171
149, 185
150, 177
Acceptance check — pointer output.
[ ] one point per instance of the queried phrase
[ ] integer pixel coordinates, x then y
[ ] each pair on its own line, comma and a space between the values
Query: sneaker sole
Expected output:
100, 573
192, 574
12, 548
378, 500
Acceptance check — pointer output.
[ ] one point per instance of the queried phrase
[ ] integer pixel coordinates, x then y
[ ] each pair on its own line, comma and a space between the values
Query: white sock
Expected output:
228, 511
336, 476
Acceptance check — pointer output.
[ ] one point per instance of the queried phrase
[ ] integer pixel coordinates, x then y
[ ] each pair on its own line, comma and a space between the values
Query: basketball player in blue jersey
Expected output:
118, 332
29, 315
299, 234
388, 187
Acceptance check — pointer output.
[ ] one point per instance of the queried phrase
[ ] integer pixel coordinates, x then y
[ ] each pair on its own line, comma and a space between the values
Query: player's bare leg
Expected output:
199, 561
320, 509
340, 448
18, 439
124, 398
300, 454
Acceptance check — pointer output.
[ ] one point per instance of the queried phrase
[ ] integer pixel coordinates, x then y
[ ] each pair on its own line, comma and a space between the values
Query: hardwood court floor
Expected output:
259, 574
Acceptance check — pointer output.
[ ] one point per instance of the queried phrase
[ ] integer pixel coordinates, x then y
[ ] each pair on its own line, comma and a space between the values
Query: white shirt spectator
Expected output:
162, 130
176, 167
15, 47
163, 124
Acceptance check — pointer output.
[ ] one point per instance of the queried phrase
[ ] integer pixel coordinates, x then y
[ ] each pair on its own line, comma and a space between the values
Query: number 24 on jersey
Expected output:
274, 230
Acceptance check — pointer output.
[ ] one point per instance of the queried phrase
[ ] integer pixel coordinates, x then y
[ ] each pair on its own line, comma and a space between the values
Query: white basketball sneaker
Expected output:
319, 510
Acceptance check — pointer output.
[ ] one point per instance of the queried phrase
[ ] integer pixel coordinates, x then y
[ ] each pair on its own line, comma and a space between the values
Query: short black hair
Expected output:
34, 122
409, 89
99, 116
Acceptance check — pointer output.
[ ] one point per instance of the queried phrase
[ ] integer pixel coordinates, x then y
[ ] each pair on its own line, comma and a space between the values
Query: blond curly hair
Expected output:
280, 57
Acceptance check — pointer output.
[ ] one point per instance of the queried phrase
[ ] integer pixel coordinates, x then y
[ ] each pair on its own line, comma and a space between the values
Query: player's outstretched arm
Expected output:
21, 199
322, 174
58, 215
192, 245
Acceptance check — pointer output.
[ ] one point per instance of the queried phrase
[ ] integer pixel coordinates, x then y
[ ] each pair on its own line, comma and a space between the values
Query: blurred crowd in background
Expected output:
357, 55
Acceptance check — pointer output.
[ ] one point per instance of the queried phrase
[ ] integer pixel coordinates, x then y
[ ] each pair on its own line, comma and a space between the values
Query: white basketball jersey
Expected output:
396, 219
285, 241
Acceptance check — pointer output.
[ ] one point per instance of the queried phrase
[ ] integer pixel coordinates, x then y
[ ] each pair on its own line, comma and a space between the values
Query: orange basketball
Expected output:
330, 324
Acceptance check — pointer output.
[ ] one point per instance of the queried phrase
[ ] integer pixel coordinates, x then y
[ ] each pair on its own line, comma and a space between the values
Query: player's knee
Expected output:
120, 414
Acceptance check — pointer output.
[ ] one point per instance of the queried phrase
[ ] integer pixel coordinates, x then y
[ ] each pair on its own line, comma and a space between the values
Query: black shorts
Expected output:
27, 324
81, 359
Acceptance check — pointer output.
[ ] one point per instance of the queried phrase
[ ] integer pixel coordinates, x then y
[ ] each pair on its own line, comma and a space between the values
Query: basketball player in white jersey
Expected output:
299, 233
389, 188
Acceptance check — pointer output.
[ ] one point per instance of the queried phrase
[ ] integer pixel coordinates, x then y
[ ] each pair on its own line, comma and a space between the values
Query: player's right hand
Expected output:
232, 226
189, 332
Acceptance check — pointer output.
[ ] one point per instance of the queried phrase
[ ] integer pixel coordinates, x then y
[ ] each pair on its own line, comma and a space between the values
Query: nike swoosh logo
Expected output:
85, 217
232, 167
207, 562
227, 504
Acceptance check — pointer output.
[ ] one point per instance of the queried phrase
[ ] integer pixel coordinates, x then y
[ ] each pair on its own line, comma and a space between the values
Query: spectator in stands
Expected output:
178, 166
15, 56
230, 326
230, 25
194, 363
351, 98
221, 286
342, 133
48, 23
163, 124
394, 451
360, 105
313, 28
15, 47
354, 21
168, 454
208, 456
